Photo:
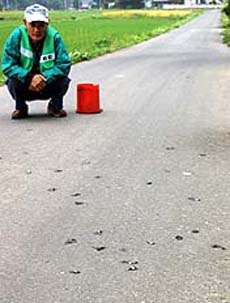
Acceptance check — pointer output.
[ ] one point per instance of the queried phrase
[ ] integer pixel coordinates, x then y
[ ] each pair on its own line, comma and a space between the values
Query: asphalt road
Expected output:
130, 205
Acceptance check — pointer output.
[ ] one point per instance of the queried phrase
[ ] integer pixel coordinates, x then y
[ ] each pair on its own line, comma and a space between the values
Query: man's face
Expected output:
36, 30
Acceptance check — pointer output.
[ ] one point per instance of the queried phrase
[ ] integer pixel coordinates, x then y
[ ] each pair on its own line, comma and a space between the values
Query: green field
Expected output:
90, 34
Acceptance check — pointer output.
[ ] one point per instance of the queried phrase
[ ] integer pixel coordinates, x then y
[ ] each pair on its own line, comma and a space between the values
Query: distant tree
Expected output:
227, 9
42, 2
76, 4
177, 1
22, 4
55, 4
130, 4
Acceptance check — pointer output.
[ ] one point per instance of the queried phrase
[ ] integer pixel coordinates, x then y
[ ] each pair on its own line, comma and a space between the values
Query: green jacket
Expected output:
47, 51
12, 63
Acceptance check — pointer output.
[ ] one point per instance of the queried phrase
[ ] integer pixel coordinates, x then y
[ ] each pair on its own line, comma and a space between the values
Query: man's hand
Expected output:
37, 83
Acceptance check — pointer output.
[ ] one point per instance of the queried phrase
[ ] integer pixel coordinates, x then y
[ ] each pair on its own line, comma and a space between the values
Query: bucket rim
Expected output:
87, 85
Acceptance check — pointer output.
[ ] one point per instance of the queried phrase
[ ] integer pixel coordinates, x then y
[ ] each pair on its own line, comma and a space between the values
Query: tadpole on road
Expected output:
78, 203
195, 231
70, 241
75, 195
135, 262
217, 246
150, 242
75, 272
58, 170
99, 248
194, 199
202, 155
179, 238
52, 189
133, 268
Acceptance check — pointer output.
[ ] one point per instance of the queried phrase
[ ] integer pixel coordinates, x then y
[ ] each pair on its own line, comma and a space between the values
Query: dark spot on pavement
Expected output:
179, 238
98, 232
133, 268
78, 203
58, 170
85, 162
150, 242
149, 183
75, 272
98, 177
129, 262
217, 246
170, 148
194, 199
99, 248
29, 129
52, 189
195, 231
202, 155
76, 195
167, 171
70, 241
123, 249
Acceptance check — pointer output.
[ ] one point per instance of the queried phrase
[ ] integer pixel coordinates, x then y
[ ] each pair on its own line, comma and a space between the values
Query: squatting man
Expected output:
36, 64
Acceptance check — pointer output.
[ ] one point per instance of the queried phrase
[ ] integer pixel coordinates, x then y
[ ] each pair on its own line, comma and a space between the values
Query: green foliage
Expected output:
226, 9
226, 27
77, 56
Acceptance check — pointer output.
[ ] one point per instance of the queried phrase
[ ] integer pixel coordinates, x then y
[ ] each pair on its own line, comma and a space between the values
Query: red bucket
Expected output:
88, 99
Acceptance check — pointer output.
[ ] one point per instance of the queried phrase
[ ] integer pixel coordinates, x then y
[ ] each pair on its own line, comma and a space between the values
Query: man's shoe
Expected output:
54, 112
20, 113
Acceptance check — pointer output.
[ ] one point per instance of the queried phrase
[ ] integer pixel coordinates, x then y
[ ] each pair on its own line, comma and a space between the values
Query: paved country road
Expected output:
131, 205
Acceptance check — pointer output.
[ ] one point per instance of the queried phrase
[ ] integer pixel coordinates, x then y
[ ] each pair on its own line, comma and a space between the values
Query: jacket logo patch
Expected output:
46, 58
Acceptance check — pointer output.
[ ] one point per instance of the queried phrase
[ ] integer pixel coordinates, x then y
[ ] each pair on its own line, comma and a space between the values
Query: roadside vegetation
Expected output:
226, 23
93, 33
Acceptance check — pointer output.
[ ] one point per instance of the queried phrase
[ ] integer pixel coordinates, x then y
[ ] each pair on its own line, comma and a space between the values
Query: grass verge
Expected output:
226, 31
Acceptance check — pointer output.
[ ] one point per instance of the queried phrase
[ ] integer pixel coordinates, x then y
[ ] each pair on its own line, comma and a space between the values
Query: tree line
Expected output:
51, 4
67, 4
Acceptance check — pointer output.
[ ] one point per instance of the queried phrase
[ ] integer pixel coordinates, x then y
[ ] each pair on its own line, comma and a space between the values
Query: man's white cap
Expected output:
36, 12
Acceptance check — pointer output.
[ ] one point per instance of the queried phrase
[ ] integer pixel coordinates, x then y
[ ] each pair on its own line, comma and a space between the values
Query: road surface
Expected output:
131, 205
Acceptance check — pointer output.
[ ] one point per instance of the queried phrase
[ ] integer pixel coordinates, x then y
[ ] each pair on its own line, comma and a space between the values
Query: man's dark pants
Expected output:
54, 91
